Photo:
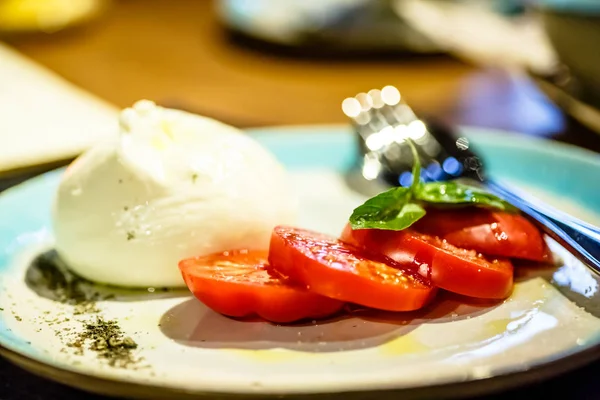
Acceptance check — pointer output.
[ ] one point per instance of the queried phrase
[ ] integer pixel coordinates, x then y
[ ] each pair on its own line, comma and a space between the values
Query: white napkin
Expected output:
470, 30
44, 118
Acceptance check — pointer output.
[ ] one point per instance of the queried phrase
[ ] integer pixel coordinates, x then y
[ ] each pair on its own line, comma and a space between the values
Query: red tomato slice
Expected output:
451, 268
238, 284
493, 233
331, 268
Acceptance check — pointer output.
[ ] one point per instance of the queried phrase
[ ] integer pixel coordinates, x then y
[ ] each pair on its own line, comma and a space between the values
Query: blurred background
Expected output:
523, 65
66, 66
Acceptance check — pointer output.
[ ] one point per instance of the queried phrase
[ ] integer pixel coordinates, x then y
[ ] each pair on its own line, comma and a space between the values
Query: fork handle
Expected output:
580, 239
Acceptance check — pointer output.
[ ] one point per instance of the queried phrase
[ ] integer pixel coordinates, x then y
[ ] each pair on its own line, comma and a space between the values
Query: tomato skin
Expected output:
494, 233
332, 268
238, 284
454, 269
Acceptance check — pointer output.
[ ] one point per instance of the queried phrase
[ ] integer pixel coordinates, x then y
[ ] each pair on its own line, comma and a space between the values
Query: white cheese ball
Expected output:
172, 185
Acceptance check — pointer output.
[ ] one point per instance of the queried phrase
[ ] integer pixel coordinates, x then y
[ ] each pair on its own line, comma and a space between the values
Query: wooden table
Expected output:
175, 53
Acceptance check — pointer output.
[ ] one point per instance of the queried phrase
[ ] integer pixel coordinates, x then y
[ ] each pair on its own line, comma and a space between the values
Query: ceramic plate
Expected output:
548, 325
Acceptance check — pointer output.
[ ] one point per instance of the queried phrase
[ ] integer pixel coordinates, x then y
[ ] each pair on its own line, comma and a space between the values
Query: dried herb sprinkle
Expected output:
48, 277
107, 340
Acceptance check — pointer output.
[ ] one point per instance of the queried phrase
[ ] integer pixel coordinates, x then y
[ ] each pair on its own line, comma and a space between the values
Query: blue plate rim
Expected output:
490, 134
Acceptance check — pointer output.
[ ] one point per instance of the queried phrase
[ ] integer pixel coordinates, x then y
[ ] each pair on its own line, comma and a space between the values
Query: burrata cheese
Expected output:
172, 185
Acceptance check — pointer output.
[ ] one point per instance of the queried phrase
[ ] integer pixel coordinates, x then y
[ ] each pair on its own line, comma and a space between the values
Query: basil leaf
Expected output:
460, 194
391, 210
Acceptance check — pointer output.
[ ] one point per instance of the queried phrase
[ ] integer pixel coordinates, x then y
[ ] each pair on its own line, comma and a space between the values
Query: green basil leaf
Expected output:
392, 210
455, 193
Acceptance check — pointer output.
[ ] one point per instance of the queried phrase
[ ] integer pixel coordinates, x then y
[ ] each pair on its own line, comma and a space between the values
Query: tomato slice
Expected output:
451, 268
327, 266
494, 233
238, 284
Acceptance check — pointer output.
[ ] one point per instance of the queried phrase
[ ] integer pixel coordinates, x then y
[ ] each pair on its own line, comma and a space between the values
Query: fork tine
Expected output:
383, 122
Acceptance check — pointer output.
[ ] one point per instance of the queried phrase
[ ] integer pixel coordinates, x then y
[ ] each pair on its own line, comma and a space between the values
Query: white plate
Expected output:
188, 349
